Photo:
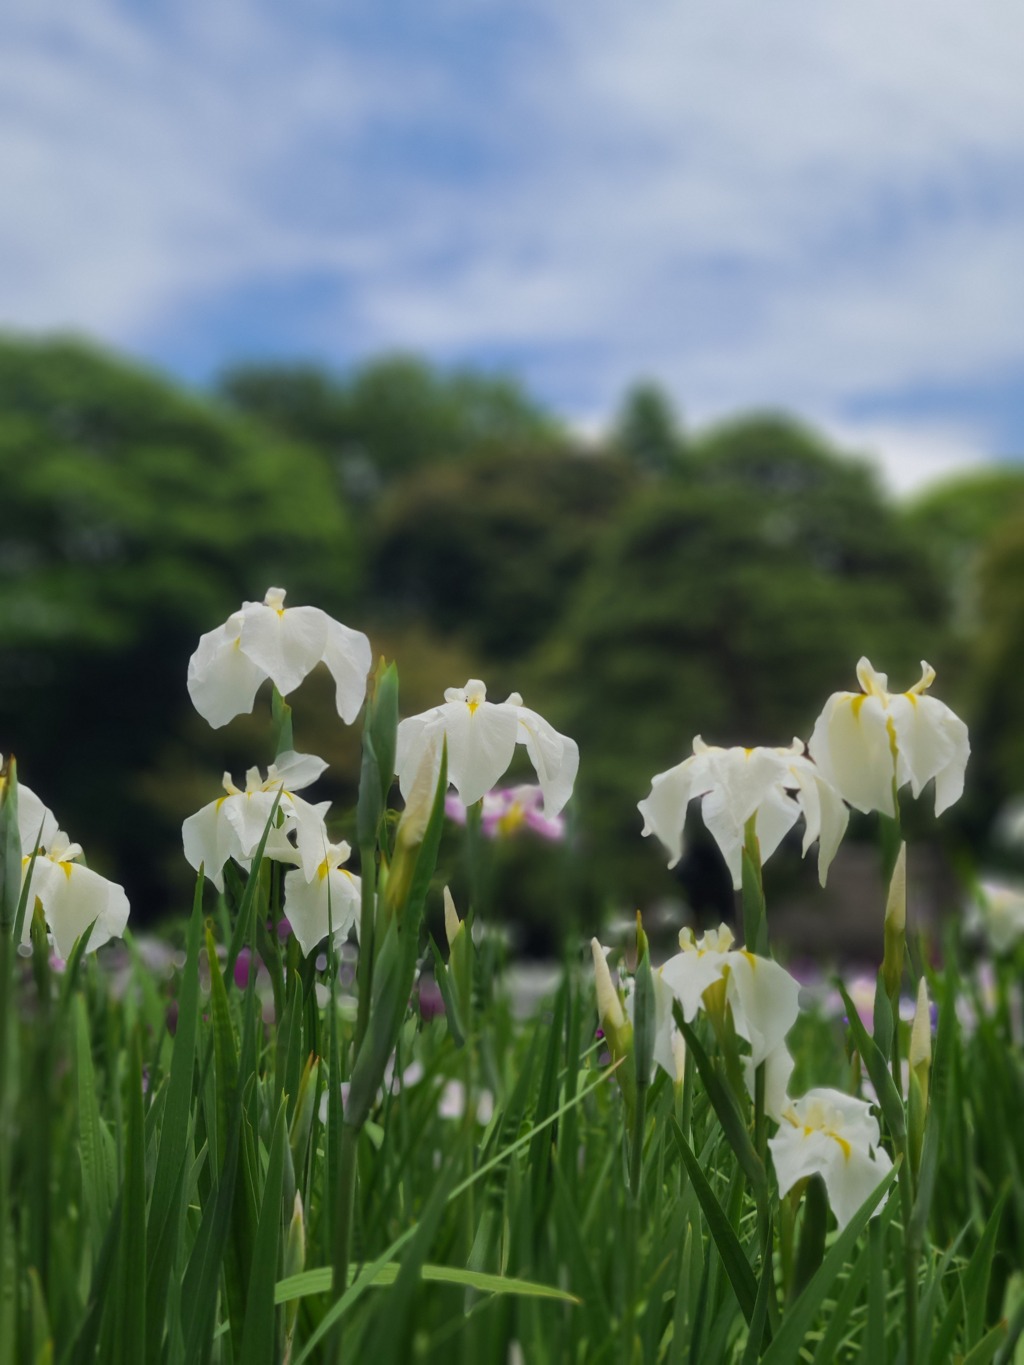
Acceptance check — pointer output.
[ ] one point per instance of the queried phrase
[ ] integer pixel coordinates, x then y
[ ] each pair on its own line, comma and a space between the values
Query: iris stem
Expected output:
755, 919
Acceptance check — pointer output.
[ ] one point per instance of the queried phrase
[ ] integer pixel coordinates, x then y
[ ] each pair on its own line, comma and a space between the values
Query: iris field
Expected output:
301, 1128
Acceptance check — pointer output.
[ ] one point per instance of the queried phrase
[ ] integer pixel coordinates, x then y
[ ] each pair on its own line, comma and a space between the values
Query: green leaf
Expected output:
225, 1046
737, 1267
838, 1324
383, 725
765, 1292
128, 1305
979, 1270
811, 1251
259, 1340
755, 918
10, 848
97, 1192
444, 985
939, 1094
882, 1021
800, 1315
987, 1346
724, 1103
319, 1282
888, 1096
166, 1213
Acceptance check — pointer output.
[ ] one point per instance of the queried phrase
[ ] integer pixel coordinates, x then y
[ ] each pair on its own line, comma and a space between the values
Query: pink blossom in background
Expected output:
506, 810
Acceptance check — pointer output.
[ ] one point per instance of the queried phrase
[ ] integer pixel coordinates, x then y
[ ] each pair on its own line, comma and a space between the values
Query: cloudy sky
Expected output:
798, 204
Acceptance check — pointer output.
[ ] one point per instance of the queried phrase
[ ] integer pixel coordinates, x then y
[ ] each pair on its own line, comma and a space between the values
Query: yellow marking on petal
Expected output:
857, 703
323, 869
67, 870
473, 704
911, 697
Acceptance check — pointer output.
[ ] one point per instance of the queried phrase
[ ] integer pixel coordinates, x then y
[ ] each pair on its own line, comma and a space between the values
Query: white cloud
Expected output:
792, 203
910, 457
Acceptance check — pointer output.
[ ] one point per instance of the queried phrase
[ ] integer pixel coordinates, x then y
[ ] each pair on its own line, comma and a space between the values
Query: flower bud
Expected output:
294, 1261
895, 926
609, 1006
921, 1031
920, 1059
617, 1028
453, 926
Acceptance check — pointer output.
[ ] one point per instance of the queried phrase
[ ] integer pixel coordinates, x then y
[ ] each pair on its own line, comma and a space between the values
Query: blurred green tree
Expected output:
491, 549
959, 517
997, 698
647, 429
391, 416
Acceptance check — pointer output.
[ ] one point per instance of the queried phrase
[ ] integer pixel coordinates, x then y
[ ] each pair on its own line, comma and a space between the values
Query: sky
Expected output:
818, 207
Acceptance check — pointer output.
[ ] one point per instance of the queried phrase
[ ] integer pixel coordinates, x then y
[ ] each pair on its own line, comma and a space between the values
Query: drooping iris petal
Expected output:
37, 824
778, 1072
233, 825
763, 995
482, 738
222, 681
268, 640
776, 785
835, 1136
331, 898
73, 897
825, 814
764, 999
555, 757
851, 745
932, 742
286, 643
349, 657
689, 974
209, 839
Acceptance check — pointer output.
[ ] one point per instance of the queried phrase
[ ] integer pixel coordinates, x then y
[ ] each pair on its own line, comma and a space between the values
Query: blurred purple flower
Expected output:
506, 810
245, 968
430, 999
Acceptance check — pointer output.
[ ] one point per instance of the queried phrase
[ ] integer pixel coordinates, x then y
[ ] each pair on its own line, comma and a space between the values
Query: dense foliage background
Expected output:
635, 593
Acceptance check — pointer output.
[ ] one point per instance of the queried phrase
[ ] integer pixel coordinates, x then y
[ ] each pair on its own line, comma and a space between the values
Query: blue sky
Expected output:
813, 206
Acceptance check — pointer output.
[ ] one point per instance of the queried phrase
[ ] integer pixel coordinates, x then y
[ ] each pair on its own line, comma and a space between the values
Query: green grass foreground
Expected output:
171, 1195
201, 1162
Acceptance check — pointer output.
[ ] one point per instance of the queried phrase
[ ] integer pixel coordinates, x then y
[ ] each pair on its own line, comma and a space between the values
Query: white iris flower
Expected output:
269, 640
762, 995
482, 737
778, 785
232, 825
330, 898
71, 894
835, 1136
73, 897
865, 741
